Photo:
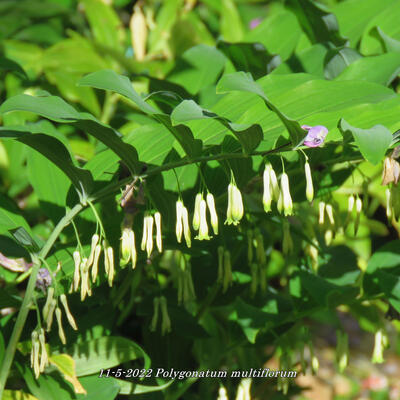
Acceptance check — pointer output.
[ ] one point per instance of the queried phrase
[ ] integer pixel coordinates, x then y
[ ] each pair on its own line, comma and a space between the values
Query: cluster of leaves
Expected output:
82, 116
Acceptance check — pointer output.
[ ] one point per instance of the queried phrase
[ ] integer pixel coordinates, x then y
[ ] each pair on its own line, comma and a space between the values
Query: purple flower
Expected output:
315, 136
43, 279
254, 23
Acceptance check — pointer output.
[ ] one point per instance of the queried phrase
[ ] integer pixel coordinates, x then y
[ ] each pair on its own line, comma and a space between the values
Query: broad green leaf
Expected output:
241, 81
387, 256
24, 239
99, 388
104, 22
105, 352
338, 59
373, 143
54, 151
250, 57
127, 387
381, 69
354, 15
56, 109
389, 44
197, 68
231, 23
279, 24
10, 216
46, 387
10, 65
165, 20
66, 365
317, 21
249, 136
109, 80
387, 21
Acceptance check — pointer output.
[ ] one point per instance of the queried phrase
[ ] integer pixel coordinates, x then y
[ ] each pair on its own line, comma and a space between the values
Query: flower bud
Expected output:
95, 265
235, 205
186, 227
314, 360
268, 191
84, 279
203, 228
179, 224
111, 271
243, 391
309, 182
61, 333
157, 219
329, 212
328, 236
44, 360
49, 298
260, 250
35, 354
321, 207
358, 215
389, 204
380, 344
222, 394
138, 29
165, 320
125, 247
133, 248
49, 319
350, 206
213, 212
274, 185
145, 231
149, 244
285, 203
154, 320
70, 317
77, 261
95, 240
342, 350
196, 213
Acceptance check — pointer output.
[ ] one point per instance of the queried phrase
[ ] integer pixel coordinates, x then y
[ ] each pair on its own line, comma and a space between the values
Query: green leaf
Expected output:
105, 352
280, 23
56, 109
109, 80
99, 388
387, 256
231, 23
388, 43
10, 216
373, 143
127, 387
10, 65
197, 68
249, 136
336, 61
250, 57
381, 69
387, 20
241, 81
104, 22
354, 16
318, 23
24, 239
53, 150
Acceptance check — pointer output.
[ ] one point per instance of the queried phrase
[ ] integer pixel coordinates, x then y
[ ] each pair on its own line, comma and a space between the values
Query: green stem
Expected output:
27, 301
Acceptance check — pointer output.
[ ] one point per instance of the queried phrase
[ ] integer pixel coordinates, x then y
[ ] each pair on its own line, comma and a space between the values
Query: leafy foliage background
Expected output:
212, 93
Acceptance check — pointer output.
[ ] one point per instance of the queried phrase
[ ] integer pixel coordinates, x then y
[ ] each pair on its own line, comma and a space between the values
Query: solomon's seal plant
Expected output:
180, 190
